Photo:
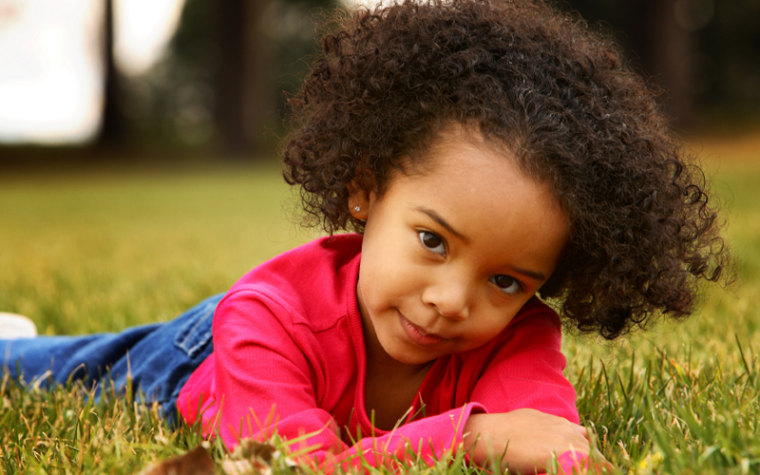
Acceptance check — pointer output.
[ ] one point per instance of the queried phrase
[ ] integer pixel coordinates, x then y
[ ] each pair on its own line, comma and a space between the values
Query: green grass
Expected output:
99, 251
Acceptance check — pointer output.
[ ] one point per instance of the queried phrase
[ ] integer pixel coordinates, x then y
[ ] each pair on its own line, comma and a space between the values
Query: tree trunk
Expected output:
243, 109
112, 124
665, 48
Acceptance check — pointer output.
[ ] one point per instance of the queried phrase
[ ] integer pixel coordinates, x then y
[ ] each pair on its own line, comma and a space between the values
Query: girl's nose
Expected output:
451, 299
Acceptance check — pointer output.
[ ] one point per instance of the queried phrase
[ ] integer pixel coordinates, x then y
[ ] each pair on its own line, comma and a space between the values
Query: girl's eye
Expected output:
432, 242
506, 284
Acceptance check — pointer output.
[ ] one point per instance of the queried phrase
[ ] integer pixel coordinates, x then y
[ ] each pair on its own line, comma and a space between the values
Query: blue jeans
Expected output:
159, 357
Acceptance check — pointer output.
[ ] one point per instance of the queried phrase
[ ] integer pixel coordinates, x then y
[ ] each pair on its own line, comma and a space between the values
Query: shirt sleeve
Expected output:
527, 372
264, 385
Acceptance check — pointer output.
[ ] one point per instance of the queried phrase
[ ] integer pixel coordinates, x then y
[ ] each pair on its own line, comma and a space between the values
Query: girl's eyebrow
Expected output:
535, 275
439, 219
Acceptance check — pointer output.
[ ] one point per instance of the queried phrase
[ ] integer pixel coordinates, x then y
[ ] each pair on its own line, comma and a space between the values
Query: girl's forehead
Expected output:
459, 136
471, 167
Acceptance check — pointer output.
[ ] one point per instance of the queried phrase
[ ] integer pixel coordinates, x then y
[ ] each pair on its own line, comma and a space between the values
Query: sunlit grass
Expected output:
99, 251
683, 397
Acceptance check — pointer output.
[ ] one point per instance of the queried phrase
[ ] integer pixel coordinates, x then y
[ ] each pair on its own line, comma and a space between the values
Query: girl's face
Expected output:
452, 253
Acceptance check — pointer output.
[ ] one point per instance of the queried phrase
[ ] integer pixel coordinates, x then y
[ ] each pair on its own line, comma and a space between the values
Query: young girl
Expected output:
490, 155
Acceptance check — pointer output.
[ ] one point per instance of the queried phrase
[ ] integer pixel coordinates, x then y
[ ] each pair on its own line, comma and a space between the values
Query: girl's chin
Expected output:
408, 354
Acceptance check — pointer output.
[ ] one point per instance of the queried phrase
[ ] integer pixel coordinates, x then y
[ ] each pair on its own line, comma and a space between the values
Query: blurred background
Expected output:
155, 80
138, 174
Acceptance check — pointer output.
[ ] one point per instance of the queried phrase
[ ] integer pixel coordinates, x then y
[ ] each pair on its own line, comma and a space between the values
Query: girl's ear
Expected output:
359, 200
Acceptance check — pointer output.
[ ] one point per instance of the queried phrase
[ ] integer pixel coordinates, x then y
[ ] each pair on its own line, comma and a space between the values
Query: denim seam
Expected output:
187, 335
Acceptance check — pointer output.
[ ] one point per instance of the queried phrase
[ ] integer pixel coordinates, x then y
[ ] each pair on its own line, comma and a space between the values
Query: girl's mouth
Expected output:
417, 334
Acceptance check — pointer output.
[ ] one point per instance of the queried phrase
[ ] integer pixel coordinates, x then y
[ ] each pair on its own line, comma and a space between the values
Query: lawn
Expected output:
103, 249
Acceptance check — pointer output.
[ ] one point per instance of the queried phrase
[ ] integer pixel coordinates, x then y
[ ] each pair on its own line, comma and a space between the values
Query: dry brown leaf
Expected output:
254, 458
194, 462
249, 448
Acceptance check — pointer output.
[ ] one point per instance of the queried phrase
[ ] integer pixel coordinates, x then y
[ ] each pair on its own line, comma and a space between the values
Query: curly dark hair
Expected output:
558, 96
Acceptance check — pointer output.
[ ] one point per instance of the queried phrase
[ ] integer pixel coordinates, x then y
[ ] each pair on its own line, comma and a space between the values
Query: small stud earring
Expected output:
357, 208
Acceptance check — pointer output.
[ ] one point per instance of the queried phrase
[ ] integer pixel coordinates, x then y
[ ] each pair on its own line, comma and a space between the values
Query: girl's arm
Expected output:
527, 438
531, 413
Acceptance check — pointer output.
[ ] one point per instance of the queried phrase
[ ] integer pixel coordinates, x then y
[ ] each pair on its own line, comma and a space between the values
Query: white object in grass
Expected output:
14, 326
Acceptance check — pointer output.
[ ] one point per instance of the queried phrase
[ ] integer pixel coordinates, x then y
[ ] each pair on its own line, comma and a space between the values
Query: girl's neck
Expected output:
390, 386
379, 363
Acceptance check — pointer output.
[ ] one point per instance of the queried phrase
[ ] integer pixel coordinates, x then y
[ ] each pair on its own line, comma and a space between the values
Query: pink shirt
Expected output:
289, 357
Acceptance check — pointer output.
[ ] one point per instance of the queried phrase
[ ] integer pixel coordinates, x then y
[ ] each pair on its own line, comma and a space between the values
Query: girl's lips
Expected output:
417, 334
